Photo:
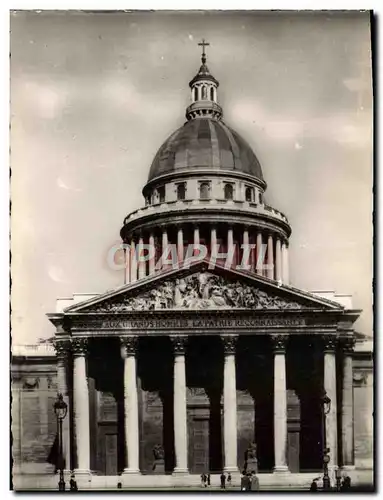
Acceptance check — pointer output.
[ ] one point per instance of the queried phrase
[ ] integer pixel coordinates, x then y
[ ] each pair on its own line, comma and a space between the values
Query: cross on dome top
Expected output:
203, 44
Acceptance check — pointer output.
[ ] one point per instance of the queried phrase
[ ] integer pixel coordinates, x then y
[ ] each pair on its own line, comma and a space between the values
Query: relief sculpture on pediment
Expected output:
199, 291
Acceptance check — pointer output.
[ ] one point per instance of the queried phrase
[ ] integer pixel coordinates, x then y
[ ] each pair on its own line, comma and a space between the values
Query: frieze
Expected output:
200, 322
198, 291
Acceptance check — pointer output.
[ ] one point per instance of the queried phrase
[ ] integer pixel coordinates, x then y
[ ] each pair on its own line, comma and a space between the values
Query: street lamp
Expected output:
326, 407
61, 409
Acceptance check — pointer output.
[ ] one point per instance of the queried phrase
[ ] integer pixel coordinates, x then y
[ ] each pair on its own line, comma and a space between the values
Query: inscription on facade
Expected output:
158, 324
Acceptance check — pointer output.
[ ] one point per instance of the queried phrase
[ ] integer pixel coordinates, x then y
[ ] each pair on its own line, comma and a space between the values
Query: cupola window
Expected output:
181, 191
249, 194
161, 194
196, 93
204, 190
211, 93
260, 197
229, 192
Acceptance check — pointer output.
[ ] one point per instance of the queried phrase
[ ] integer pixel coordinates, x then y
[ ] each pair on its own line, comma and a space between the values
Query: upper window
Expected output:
181, 191
260, 197
211, 93
196, 93
204, 190
161, 194
229, 191
249, 194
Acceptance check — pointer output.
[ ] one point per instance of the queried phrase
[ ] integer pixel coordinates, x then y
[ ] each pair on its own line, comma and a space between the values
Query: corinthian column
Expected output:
62, 355
280, 403
133, 262
278, 260
81, 405
258, 248
347, 405
229, 405
330, 388
152, 260
285, 264
179, 398
128, 353
180, 245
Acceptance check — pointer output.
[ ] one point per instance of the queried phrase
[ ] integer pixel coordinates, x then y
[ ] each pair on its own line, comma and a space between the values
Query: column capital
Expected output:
347, 344
279, 343
79, 346
179, 343
329, 343
62, 348
128, 346
229, 343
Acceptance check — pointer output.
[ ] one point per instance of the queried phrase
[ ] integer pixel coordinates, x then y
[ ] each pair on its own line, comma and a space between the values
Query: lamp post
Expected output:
326, 406
61, 409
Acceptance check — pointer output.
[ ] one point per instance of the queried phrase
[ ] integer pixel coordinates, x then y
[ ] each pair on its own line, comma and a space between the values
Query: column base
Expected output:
130, 471
278, 469
83, 478
347, 467
178, 471
232, 469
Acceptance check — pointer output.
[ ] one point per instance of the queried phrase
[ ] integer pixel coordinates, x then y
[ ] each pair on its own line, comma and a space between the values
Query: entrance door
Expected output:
110, 454
200, 445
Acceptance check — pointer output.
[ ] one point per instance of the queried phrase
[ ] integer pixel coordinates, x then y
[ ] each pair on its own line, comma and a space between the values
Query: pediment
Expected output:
199, 288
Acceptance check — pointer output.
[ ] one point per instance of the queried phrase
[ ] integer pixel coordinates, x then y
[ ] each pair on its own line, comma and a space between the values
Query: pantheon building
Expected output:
206, 358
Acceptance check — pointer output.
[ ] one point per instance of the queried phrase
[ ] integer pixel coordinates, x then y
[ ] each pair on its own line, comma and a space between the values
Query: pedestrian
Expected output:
346, 484
203, 479
254, 481
208, 479
72, 484
244, 481
223, 481
229, 479
314, 486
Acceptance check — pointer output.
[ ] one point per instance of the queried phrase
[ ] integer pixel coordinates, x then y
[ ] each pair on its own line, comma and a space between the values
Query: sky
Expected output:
94, 95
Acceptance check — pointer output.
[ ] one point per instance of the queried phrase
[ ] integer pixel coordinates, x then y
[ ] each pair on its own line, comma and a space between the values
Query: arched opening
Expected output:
229, 191
195, 93
161, 194
181, 191
212, 93
260, 197
249, 194
204, 190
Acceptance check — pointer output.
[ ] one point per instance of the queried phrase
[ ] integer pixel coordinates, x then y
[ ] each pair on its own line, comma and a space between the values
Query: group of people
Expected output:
344, 485
225, 481
249, 481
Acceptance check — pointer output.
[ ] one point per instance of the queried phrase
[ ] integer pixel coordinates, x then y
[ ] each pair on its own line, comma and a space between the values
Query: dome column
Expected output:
230, 246
213, 242
127, 264
278, 260
165, 250
141, 259
180, 245
152, 262
196, 241
133, 262
245, 250
285, 263
259, 257
270, 257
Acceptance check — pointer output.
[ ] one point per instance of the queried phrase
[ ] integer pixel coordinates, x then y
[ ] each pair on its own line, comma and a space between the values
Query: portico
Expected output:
204, 381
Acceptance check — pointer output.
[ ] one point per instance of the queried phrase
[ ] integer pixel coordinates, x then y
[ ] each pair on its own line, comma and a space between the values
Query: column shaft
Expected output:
330, 388
230, 247
347, 407
81, 406
285, 264
270, 257
141, 261
62, 350
278, 260
127, 265
258, 248
165, 249
128, 349
133, 262
152, 261
180, 245
180, 422
230, 406
245, 250
196, 240
280, 404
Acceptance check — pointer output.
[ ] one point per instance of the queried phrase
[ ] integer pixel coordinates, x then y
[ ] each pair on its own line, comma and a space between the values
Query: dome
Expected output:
205, 143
